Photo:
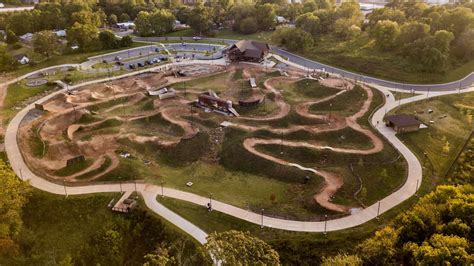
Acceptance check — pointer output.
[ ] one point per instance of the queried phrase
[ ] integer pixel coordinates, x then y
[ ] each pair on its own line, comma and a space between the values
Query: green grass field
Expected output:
441, 141
55, 227
74, 168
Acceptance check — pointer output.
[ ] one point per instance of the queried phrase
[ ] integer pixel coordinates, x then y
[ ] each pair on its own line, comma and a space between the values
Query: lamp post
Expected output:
416, 187
378, 211
325, 223
162, 190
210, 202
330, 110
120, 183
64, 184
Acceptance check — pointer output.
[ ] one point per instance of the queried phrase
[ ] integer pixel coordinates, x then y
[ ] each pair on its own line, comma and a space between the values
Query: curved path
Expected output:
150, 192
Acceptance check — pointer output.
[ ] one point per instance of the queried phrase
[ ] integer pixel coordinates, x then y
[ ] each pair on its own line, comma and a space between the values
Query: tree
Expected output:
309, 23
200, 19
143, 25
294, 39
88, 18
108, 40
248, 25
11, 37
326, 19
379, 249
342, 27
342, 260
265, 15
442, 40
440, 250
86, 36
124, 17
20, 22
464, 45
240, 12
112, 19
126, 41
159, 257
45, 42
385, 32
391, 14
13, 197
107, 247
239, 248
412, 31
162, 21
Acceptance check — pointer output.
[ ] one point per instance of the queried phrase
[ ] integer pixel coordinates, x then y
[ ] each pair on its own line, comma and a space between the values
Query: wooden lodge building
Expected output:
403, 123
246, 50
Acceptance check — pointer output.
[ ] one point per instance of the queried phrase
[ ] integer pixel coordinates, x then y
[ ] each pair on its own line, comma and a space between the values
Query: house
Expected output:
60, 33
280, 20
403, 123
126, 25
22, 59
27, 37
246, 50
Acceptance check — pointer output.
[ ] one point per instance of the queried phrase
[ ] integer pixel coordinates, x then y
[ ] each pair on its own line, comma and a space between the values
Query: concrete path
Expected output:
150, 192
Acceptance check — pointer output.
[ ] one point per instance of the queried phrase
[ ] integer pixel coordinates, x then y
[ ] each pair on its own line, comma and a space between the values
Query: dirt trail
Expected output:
332, 180
284, 108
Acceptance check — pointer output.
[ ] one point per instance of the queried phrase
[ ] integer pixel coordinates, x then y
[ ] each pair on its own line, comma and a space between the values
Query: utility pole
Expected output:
64, 184
325, 223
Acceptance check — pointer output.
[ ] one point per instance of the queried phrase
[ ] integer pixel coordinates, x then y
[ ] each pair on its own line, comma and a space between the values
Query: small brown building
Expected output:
246, 50
403, 123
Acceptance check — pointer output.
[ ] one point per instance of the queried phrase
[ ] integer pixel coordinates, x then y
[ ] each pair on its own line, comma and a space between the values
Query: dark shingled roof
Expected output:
251, 48
403, 120
19, 56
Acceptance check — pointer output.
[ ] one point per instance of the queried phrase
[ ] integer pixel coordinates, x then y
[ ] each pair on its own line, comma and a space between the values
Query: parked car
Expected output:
197, 38
119, 63
157, 50
140, 65
132, 66
104, 61
148, 62
118, 58
155, 60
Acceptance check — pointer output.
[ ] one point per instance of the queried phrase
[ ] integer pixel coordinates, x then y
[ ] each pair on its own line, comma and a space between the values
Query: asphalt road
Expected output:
307, 63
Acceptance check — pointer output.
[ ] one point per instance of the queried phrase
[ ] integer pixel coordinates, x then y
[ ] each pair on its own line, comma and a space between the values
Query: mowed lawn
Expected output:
443, 139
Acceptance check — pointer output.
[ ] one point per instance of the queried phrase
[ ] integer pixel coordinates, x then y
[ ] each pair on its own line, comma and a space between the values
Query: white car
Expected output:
197, 38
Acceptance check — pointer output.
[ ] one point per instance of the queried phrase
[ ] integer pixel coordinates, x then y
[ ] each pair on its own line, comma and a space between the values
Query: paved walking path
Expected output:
150, 192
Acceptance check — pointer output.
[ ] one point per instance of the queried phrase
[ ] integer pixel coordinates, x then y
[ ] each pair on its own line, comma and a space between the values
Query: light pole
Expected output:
330, 110
135, 183
378, 211
74, 110
120, 183
416, 187
210, 202
162, 190
64, 184
325, 223
262, 218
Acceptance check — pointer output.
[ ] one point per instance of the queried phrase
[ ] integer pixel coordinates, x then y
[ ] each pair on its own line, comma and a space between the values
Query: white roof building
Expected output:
60, 33
26, 37
126, 25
